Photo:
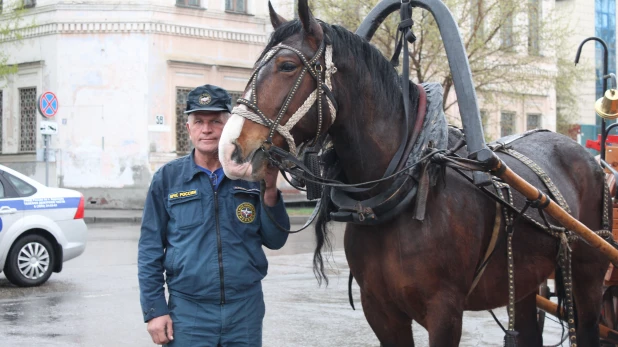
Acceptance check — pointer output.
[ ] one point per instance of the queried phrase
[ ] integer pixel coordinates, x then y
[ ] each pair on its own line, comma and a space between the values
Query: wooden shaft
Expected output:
547, 306
554, 210
552, 308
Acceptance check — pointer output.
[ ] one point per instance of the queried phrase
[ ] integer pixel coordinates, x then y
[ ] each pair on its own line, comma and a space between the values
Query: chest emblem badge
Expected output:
245, 212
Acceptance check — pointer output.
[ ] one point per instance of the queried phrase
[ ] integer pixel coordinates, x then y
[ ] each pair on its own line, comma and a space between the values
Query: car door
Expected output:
11, 208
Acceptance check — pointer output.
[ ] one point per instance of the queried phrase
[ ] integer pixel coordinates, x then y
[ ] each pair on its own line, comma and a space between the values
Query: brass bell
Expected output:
607, 106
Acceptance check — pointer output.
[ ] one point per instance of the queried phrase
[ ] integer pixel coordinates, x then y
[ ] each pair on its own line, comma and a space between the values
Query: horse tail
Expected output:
350, 297
323, 242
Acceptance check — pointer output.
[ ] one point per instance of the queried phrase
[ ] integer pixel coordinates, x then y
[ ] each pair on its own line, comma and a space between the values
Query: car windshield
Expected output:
23, 188
1, 190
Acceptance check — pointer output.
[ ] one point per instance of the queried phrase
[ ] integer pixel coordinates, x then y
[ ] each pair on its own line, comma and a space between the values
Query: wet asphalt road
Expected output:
94, 301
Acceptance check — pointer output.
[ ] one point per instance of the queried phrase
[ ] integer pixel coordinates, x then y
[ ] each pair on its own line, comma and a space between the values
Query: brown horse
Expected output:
410, 270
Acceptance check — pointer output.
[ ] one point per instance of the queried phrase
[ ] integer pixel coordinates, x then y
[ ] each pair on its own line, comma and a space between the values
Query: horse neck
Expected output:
368, 130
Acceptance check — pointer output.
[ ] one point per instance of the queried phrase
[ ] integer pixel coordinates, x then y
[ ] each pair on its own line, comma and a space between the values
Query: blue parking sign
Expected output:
48, 104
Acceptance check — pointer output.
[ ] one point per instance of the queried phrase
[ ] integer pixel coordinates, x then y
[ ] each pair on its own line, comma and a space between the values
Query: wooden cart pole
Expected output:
552, 308
554, 210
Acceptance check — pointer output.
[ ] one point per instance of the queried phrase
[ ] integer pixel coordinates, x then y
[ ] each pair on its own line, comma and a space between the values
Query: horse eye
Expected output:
287, 67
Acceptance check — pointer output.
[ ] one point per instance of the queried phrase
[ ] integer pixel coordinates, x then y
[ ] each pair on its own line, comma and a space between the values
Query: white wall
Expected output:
114, 66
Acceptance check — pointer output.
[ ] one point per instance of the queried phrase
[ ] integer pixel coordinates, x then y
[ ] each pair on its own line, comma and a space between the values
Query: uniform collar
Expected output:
190, 168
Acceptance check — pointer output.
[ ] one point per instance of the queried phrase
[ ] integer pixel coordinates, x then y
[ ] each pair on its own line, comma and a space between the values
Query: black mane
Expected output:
348, 46
372, 71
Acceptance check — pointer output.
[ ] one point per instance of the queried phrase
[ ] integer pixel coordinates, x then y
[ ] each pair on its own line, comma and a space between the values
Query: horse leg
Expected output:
588, 277
526, 323
444, 320
392, 327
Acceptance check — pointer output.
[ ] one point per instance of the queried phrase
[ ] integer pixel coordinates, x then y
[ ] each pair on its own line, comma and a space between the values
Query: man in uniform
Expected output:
206, 233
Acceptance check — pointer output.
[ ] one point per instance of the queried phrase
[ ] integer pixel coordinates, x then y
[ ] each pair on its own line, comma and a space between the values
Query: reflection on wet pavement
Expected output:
94, 301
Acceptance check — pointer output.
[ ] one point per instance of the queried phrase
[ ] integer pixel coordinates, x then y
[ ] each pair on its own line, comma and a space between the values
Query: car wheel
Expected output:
30, 261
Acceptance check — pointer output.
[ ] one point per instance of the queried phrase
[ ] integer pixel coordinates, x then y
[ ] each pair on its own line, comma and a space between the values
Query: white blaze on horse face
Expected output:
230, 134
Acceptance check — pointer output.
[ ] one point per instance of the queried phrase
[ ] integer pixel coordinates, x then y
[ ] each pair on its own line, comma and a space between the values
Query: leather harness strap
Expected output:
554, 191
490, 249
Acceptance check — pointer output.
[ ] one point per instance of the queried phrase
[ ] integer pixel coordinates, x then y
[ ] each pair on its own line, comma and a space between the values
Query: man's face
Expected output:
205, 130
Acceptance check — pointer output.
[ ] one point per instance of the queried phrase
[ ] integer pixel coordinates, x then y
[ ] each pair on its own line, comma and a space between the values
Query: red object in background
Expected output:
79, 214
597, 144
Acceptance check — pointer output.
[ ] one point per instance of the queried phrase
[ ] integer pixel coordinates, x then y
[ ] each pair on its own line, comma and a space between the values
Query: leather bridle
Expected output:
324, 86
278, 156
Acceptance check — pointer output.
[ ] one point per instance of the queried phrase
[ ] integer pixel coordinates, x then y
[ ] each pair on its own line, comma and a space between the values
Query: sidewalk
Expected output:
135, 216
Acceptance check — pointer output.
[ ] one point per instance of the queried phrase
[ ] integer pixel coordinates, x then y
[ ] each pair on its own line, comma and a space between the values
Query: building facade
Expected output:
590, 18
121, 72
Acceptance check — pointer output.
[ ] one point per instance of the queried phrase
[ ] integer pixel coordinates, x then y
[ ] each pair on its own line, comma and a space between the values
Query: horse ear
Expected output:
310, 25
275, 19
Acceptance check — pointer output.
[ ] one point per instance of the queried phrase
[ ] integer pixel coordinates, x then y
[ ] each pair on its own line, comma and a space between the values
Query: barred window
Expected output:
507, 123
235, 96
235, 6
183, 143
533, 121
1, 115
27, 120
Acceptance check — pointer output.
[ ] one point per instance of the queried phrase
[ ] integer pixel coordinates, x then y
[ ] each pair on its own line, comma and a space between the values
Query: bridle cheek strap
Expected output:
253, 113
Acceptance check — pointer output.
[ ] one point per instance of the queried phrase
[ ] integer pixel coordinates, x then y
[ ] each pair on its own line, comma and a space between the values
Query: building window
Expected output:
533, 121
506, 31
507, 123
29, 3
1, 117
235, 6
183, 142
27, 119
188, 3
235, 96
534, 15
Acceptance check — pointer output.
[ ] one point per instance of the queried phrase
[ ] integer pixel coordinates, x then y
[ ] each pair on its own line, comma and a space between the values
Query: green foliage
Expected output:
511, 46
12, 24
567, 110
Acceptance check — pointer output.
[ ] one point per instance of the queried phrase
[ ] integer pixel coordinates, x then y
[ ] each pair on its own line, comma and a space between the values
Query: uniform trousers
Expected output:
233, 324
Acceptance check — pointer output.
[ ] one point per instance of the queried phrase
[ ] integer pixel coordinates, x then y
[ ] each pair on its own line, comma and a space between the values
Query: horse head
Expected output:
279, 107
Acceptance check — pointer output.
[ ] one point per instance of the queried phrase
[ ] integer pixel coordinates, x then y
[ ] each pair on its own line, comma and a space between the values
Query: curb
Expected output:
138, 220
130, 220
298, 219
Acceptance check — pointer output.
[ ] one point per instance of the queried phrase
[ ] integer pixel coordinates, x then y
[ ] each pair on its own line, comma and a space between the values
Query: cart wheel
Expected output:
540, 314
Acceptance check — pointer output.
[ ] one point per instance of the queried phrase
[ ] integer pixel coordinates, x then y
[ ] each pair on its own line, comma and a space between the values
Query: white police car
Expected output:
40, 228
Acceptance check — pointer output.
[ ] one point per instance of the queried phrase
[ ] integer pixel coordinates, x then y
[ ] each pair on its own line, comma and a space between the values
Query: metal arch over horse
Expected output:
410, 270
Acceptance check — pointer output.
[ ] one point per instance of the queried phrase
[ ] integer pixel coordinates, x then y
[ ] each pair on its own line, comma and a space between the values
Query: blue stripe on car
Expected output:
41, 203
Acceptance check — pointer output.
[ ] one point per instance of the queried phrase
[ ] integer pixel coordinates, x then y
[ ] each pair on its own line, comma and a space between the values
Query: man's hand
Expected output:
270, 182
160, 329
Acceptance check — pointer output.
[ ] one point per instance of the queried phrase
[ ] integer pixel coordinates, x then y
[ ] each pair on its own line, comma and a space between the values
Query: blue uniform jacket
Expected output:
208, 243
